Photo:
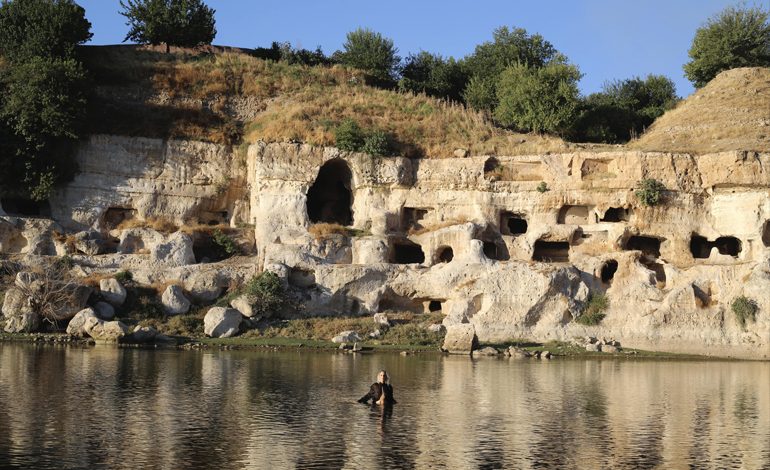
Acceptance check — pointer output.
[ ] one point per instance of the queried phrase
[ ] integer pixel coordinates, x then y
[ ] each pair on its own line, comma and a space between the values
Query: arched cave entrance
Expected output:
445, 254
700, 247
512, 223
330, 197
608, 271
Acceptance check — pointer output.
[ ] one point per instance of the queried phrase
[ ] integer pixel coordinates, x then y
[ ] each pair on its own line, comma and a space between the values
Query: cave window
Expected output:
492, 168
766, 234
512, 224
700, 247
434, 306
411, 217
445, 254
114, 216
407, 252
649, 246
330, 198
608, 271
573, 215
616, 214
551, 252
20, 207
728, 246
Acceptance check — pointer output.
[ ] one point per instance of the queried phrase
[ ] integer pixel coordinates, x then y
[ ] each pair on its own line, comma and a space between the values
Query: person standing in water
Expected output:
381, 392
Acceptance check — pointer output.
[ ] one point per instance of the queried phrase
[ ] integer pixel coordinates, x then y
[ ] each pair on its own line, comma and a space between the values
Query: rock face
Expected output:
174, 300
460, 339
26, 322
176, 250
221, 322
112, 291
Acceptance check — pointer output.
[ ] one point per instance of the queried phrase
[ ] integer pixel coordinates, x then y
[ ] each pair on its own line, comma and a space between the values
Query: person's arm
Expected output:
368, 396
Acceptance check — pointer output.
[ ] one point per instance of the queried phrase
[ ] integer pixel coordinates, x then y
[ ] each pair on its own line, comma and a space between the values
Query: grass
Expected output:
232, 97
594, 310
745, 310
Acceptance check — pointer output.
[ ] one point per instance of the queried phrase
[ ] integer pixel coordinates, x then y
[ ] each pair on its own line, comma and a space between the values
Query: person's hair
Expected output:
387, 377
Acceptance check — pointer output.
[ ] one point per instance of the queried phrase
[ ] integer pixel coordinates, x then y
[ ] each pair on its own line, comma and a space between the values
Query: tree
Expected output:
736, 37
507, 48
433, 75
541, 99
184, 23
371, 52
45, 28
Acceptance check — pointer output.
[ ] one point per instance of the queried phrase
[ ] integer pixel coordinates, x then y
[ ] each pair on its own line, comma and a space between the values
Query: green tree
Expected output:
371, 52
541, 99
46, 28
507, 48
433, 75
185, 23
736, 37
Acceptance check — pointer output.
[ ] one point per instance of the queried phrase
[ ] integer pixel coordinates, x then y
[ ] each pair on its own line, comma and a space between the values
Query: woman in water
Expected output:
381, 392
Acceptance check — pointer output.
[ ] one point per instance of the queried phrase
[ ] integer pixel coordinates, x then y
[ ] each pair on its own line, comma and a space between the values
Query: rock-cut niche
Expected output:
330, 197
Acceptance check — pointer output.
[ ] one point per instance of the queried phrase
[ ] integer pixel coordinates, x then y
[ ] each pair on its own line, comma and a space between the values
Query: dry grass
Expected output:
228, 96
436, 226
324, 230
732, 112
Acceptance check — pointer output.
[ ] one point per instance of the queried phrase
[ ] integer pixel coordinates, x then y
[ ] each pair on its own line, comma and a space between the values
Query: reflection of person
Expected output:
381, 392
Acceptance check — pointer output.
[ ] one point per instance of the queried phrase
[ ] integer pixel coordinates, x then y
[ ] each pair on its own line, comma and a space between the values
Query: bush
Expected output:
745, 310
266, 293
736, 37
372, 53
649, 192
433, 75
41, 28
285, 52
538, 99
349, 136
185, 23
542, 187
124, 277
593, 313
378, 143
480, 93
225, 245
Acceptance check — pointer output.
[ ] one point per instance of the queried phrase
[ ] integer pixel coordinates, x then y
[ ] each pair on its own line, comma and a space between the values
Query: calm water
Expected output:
110, 408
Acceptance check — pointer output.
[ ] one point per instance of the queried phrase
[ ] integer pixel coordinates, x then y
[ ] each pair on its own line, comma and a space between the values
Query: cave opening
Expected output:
649, 246
445, 254
492, 168
766, 233
573, 215
616, 214
330, 198
114, 216
407, 252
608, 271
21, 207
551, 252
700, 247
411, 217
658, 269
512, 223
434, 306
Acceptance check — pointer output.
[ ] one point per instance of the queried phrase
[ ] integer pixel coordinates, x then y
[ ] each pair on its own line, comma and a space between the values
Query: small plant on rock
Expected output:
124, 276
378, 143
349, 136
266, 293
649, 192
745, 309
542, 187
224, 243
593, 313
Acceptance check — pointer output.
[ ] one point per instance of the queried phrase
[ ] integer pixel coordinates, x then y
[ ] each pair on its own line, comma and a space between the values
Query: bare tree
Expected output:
51, 290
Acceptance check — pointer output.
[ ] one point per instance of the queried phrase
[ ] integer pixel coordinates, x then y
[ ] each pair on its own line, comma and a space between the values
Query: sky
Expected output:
607, 39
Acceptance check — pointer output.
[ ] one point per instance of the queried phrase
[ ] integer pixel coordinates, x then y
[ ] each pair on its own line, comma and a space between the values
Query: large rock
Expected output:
206, 286
349, 336
112, 291
89, 242
143, 334
104, 310
139, 240
25, 323
176, 250
221, 322
174, 300
108, 332
381, 319
76, 326
15, 303
460, 339
243, 304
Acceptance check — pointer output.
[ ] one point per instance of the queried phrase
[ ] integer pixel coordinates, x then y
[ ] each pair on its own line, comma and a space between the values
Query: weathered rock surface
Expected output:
348, 336
486, 351
107, 332
143, 334
104, 310
460, 339
176, 250
77, 325
243, 304
26, 322
112, 291
221, 322
174, 301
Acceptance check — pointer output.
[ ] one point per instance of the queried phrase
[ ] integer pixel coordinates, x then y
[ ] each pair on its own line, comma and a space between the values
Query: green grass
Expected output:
594, 311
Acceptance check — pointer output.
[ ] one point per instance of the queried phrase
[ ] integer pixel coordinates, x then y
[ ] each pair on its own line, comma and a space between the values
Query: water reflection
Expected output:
108, 408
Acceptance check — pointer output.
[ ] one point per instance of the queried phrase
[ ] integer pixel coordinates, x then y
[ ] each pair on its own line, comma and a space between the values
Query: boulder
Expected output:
221, 322
175, 251
15, 303
242, 303
112, 291
89, 243
516, 353
206, 286
24, 323
487, 351
460, 339
546, 355
76, 326
76, 303
104, 310
174, 302
593, 347
381, 319
348, 336
436, 328
608, 348
376, 334
108, 332
144, 334
137, 240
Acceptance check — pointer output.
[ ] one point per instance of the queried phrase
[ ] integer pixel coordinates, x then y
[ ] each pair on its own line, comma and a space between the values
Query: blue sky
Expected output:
607, 39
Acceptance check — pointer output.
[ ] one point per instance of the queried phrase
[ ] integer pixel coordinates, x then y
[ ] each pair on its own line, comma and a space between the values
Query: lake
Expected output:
114, 408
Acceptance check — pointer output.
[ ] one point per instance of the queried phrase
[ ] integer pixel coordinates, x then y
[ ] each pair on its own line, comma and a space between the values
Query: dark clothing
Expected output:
376, 391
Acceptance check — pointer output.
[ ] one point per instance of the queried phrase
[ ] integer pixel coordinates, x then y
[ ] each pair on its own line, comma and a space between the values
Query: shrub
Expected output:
736, 37
745, 310
372, 53
378, 143
124, 276
266, 293
433, 75
186, 23
538, 99
649, 192
349, 136
480, 93
593, 313
224, 244
542, 187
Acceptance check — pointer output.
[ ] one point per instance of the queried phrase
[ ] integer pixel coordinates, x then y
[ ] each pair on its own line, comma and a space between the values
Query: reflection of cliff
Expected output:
109, 408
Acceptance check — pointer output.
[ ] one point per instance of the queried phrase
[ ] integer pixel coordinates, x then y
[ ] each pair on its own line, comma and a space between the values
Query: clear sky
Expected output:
607, 39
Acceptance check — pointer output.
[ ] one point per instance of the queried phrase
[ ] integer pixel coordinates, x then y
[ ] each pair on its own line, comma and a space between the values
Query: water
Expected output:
126, 408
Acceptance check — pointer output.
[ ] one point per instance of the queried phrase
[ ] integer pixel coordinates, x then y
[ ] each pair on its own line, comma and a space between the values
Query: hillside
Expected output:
229, 96
732, 112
